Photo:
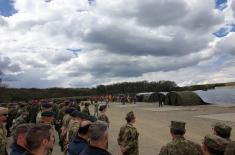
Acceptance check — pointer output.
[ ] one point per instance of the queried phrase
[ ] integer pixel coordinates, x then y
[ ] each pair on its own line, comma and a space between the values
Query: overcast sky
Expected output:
81, 43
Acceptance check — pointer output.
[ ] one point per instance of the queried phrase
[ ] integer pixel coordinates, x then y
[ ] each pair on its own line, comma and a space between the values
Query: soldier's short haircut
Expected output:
177, 132
97, 130
36, 135
223, 135
214, 152
21, 129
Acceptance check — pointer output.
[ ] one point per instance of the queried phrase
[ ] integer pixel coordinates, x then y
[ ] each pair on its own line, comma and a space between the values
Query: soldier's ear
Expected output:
44, 142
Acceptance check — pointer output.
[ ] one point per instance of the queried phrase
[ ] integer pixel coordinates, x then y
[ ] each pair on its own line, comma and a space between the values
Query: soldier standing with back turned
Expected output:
179, 145
128, 136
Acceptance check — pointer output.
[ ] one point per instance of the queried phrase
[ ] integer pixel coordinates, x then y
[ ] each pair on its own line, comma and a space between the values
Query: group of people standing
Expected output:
33, 127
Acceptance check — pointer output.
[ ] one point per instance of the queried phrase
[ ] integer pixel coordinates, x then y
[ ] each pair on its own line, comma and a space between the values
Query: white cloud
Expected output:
119, 40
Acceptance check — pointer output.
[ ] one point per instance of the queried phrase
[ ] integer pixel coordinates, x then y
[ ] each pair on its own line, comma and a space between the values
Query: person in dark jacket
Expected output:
19, 136
98, 135
80, 142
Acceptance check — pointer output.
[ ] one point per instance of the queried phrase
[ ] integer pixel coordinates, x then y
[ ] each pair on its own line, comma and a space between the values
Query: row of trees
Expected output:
13, 94
136, 87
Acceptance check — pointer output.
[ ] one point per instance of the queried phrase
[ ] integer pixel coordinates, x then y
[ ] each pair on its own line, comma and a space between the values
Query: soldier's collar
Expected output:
129, 124
178, 137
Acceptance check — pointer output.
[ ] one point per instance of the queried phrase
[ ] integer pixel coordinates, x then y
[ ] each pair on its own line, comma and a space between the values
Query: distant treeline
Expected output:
13, 94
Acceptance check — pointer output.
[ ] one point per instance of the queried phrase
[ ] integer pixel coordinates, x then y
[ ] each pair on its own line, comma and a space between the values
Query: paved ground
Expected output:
153, 123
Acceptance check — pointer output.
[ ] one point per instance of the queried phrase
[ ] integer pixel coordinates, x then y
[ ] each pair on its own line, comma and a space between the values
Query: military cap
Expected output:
222, 128
215, 142
46, 105
91, 118
48, 114
77, 113
69, 110
178, 125
3, 110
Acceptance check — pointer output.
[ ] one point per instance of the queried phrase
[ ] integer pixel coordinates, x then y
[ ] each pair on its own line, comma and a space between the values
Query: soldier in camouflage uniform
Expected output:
222, 130
128, 136
230, 149
214, 145
74, 124
96, 109
47, 117
86, 109
102, 116
179, 145
44, 107
3, 132
11, 116
64, 129
20, 120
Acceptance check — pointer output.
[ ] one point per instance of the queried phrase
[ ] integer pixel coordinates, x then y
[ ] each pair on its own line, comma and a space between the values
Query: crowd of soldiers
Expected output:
33, 126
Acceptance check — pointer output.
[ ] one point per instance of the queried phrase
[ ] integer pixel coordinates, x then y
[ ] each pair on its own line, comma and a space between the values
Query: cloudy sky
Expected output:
83, 43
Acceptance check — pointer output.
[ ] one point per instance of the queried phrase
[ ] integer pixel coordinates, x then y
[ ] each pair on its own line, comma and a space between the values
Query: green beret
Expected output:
88, 117
215, 142
178, 125
92, 118
79, 114
48, 114
222, 128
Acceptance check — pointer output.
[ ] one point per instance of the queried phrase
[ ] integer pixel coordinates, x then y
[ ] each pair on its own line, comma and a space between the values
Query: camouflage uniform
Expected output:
18, 121
39, 116
72, 130
86, 110
11, 116
96, 108
103, 117
230, 149
128, 139
65, 125
3, 140
215, 143
181, 146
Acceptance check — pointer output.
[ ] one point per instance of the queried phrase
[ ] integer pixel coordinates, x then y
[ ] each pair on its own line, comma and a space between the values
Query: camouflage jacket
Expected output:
103, 117
19, 120
181, 146
72, 129
3, 140
86, 110
128, 139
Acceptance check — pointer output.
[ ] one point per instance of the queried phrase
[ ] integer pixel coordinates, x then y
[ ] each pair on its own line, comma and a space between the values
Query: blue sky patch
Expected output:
75, 51
224, 31
221, 4
7, 8
91, 2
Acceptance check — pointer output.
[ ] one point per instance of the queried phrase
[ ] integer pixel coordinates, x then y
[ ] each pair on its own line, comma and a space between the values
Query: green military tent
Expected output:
149, 96
183, 98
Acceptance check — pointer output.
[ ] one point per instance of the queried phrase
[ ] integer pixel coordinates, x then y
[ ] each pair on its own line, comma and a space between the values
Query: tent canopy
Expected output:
183, 98
150, 96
